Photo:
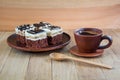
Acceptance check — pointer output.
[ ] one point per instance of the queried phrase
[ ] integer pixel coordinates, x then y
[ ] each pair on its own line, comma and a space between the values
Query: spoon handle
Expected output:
90, 62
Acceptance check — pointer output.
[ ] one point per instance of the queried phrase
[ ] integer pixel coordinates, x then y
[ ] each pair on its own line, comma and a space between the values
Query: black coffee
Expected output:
87, 33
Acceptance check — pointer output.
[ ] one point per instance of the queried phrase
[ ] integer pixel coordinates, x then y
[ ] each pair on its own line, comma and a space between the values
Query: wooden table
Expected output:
18, 65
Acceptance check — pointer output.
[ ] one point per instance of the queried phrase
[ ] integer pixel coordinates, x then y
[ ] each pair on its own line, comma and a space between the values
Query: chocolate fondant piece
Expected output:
23, 27
36, 25
44, 24
35, 31
54, 27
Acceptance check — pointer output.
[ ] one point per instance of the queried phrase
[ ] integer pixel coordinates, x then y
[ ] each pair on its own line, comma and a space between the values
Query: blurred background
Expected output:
69, 14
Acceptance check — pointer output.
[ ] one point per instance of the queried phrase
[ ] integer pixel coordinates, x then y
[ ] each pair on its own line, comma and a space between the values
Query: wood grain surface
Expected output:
19, 65
70, 14
57, 3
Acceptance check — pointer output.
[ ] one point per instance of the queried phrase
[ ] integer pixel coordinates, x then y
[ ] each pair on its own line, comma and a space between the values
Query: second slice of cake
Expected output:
55, 35
36, 39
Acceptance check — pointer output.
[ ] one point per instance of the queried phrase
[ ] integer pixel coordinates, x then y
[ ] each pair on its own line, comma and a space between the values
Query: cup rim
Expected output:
100, 32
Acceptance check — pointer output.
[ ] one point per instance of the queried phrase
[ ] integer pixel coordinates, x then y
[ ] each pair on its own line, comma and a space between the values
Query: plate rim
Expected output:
42, 49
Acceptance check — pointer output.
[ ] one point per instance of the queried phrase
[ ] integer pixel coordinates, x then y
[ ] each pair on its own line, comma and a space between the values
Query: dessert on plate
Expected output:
20, 31
54, 34
39, 35
36, 38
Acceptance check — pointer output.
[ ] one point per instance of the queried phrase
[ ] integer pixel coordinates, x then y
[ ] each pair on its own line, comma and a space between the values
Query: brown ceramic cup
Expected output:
88, 39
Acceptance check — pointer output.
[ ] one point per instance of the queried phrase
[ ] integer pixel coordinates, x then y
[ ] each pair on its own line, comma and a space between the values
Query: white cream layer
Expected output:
53, 32
37, 36
19, 32
22, 33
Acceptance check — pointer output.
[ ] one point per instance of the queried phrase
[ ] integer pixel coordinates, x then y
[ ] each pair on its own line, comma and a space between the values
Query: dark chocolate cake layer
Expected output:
36, 44
55, 40
21, 41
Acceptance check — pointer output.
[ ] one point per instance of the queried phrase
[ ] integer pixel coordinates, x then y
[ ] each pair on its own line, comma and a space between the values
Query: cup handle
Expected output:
109, 38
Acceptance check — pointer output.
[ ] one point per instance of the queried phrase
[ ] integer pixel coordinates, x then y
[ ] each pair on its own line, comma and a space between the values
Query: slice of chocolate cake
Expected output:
54, 34
36, 39
20, 31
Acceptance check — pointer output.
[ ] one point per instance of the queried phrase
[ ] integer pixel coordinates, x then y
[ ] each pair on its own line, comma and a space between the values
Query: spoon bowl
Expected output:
57, 56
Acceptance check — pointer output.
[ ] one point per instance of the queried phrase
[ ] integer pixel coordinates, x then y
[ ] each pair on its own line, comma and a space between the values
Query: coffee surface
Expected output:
87, 33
